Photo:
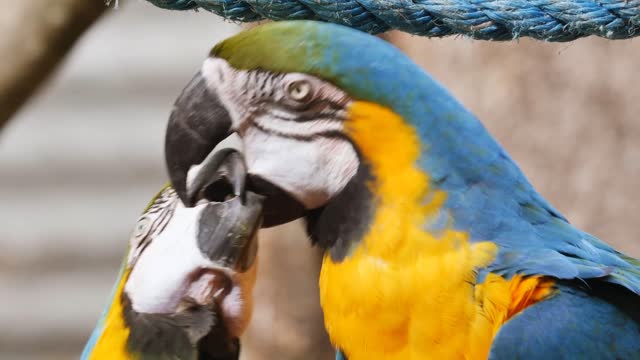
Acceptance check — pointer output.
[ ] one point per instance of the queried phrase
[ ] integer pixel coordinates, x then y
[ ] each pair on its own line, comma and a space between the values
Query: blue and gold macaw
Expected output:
436, 245
185, 288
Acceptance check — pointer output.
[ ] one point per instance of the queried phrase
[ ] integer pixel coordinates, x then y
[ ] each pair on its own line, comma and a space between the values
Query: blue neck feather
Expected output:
488, 195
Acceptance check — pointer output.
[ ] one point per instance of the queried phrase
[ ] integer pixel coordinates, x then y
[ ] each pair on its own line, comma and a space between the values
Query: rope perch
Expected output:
549, 20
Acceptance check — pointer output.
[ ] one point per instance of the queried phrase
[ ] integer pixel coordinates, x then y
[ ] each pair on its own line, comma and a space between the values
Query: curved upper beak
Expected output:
199, 122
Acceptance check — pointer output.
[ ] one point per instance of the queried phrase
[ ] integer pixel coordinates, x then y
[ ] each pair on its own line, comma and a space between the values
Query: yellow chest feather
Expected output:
404, 293
113, 340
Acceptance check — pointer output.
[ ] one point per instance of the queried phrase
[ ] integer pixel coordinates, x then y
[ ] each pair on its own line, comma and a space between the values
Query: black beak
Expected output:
221, 174
228, 225
228, 231
199, 122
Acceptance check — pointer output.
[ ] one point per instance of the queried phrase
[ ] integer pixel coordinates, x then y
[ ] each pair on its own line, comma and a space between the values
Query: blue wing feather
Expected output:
340, 355
500, 205
574, 324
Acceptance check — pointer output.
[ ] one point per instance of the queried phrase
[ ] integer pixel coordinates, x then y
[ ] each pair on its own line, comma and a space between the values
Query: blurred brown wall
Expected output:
287, 320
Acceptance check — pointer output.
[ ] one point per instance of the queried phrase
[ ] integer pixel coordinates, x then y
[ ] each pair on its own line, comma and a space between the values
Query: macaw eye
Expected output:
142, 227
300, 90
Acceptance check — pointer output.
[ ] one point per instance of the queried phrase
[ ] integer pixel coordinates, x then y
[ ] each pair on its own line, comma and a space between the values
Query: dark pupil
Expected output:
296, 88
218, 191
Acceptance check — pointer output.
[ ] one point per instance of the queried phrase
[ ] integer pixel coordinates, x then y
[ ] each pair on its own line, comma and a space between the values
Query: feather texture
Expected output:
461, 246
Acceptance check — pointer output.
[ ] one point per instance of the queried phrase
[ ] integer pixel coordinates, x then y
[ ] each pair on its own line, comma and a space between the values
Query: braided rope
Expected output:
549, 20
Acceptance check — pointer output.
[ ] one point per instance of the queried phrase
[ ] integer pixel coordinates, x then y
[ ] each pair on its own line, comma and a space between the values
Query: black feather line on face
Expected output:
159, 212
317, 109
341, 224
323, 134
196, 332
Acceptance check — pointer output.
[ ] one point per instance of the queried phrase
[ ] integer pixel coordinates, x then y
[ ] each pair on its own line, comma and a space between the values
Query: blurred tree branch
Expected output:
37, 34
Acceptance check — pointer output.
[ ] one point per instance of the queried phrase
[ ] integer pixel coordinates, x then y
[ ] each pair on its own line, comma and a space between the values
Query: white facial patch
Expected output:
159, 278
169, 269
301, 149
311, 171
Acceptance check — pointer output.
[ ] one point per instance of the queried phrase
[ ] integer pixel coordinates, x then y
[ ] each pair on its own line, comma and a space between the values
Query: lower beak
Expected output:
199, 122
227, 231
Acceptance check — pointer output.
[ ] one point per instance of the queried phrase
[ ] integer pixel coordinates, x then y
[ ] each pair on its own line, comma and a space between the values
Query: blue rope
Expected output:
550, 20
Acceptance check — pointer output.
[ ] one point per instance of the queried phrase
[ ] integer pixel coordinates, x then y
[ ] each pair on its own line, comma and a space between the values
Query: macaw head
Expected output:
323, 112
186, 284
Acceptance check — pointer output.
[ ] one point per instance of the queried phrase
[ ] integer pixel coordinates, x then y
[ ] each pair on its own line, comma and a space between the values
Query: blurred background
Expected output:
82, 158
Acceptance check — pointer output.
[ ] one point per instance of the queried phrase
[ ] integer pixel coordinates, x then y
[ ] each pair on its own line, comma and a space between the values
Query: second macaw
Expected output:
185, 288
436, 244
